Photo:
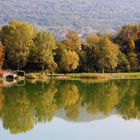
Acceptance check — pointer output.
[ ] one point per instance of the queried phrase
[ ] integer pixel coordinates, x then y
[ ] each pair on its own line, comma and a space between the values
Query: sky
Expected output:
111, 128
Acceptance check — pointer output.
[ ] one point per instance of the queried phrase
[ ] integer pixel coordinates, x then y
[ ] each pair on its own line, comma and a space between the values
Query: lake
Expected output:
70, 110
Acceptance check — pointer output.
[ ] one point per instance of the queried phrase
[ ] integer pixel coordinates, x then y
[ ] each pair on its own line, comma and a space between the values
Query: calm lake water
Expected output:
70, 110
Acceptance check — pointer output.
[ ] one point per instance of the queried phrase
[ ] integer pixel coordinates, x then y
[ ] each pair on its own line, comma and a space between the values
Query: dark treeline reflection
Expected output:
21, 107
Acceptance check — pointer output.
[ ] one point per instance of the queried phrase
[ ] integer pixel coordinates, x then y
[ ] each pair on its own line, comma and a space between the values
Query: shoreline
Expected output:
84, 77
133, 75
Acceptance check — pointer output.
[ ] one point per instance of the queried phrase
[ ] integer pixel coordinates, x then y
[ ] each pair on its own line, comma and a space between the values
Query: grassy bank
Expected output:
135, 75
107, 75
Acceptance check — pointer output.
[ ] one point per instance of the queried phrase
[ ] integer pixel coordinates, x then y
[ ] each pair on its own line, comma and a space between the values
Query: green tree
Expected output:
45, 106
86, 55
109, 98
101, 97
123, 63
106, 54
42, 53
17, 114
17, 37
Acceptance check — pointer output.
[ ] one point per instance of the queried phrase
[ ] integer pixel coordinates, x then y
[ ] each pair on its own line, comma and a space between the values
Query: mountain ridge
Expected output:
81, 15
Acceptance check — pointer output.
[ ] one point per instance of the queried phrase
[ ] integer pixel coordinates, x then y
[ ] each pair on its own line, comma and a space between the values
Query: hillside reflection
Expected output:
22, 107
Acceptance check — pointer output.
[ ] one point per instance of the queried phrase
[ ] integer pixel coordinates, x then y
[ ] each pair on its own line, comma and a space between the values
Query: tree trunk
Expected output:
18, 67
103, 70
42, 69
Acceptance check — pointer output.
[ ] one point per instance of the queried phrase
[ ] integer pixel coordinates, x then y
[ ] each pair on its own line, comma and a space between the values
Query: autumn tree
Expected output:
73, 111
68, 95
17, 37
72, 41
69, 61
132, 57
126, 33
92, 40
127, 38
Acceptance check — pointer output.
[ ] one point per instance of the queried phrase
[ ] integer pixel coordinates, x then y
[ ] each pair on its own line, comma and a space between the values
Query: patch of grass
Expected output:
36, 76
89, 75
133, 75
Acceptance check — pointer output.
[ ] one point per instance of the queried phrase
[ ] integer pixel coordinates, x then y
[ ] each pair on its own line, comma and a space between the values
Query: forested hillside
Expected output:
82, 15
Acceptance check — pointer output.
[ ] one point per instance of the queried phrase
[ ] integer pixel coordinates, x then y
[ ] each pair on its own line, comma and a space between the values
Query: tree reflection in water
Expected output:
37, 102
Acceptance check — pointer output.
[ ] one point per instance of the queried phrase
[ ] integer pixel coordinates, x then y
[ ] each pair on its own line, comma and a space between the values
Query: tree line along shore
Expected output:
24, 47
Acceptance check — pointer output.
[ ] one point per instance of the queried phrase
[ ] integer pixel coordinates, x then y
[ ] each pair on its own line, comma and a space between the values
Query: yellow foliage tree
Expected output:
69, 61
